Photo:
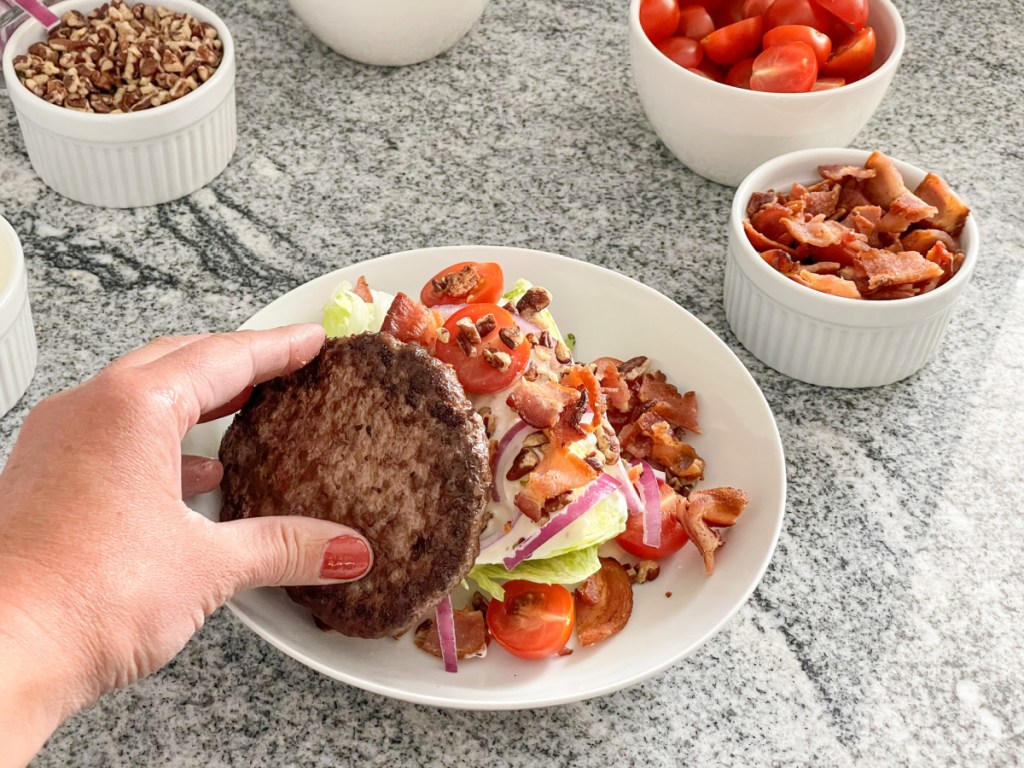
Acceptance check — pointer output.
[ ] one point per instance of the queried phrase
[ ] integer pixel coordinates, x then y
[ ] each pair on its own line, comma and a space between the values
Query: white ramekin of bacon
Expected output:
844, 265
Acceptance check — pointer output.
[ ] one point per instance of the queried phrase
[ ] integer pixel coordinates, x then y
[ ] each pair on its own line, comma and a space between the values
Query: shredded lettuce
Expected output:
568, 568
345, 314
542, 318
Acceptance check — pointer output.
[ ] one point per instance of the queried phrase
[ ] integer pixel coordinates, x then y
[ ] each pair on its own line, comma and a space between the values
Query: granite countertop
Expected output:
887, 630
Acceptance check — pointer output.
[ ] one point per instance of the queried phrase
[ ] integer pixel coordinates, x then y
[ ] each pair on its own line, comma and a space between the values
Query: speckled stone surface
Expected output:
888, 628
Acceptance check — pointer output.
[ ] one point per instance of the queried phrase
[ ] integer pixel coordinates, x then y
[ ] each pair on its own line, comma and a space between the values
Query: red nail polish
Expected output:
346, 557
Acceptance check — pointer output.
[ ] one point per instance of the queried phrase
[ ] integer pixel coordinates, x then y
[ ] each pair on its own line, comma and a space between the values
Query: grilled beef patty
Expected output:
380, 436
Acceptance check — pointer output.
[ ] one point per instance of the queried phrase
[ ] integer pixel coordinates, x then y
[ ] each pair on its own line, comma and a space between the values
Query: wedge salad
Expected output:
593, 477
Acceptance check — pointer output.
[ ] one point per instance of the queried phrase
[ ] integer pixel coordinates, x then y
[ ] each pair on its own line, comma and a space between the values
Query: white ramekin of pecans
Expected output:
125, 104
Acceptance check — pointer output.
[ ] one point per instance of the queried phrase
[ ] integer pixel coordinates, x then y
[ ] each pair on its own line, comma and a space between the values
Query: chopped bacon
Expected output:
558, 472
470, 635
615, 390
711, 507
666, 401
818, 231
581, 378
678, 458
409, 321
362, 290
759, 241
887, 183
541, 403
951, 213
768, 222
855, 233
831, 284
885, 268
922, 240
606, 603
905, 210
841, 172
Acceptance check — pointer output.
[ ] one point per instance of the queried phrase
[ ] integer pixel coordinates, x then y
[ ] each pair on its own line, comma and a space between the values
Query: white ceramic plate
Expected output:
610, 315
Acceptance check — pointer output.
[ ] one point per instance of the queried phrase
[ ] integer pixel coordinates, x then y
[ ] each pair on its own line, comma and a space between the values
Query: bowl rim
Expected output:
886, 68
801, 298
21, 95
14, 290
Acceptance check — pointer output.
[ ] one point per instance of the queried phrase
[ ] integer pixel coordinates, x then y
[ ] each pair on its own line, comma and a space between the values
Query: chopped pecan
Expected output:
468, 336
511, 337
644, 571
443, 335
634, 368
562, 353
486, 324
497, 359
524, 463
534, 300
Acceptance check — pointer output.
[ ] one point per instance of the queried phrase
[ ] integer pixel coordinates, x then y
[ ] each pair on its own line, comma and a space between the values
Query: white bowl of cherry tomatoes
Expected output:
730, 84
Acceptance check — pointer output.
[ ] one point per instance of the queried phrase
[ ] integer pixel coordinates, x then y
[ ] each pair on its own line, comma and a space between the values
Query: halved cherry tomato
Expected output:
853, 12
476, 374
852, 60
727, 45
800, 33
739, 73
534, 621
755, 7
789, 68
828, 83
485, 284
682, 50
673, 536
659, 18
695, 22
797, 12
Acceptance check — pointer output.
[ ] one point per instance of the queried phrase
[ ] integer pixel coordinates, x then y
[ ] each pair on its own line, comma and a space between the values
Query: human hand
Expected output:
104, 572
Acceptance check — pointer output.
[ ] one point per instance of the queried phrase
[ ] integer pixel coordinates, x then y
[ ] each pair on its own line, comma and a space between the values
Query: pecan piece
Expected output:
486, 324
511, 337
522, 465
497, 359
534, 300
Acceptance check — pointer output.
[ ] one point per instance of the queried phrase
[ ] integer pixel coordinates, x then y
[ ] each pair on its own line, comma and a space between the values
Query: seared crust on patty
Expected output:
380, 436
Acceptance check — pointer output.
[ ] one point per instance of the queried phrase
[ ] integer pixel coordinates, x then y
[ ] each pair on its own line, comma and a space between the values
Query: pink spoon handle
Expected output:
39, 12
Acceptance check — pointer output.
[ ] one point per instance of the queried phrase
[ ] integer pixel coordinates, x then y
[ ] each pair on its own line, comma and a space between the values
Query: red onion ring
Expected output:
446, 634
652, 506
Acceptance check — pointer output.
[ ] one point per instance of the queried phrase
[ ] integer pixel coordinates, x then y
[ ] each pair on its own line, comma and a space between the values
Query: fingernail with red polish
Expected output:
345, 558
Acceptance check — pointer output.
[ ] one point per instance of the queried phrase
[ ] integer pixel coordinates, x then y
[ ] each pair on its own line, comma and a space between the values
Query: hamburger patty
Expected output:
378, 435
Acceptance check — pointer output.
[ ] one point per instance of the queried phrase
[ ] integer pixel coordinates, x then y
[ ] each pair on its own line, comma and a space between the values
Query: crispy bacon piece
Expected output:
863, 219
885, 268
581, 378
922, 240
409, 321
615, 390
905, 210
604, 603
951, 213
887, 183
678, 410
768, 222
841, 172
780, 260
558, 472
850, 197
831, 284
760, 200
818, 231
678, 458
759, 241
470, 635
948, 262
702, 509
541, 403
362, 290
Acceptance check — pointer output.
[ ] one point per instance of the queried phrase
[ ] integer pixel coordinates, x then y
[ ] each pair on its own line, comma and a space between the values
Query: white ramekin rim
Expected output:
885, 69
14, 290
822, 306
129, 127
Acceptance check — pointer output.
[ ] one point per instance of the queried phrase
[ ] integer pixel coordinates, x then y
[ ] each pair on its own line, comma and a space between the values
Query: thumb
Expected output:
292, 551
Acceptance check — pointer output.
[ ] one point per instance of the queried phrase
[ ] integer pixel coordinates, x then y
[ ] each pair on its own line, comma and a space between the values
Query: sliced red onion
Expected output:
39, 12
447, 310
597, 490
446, 634
499, 454
634, 503
526, 326
652, 505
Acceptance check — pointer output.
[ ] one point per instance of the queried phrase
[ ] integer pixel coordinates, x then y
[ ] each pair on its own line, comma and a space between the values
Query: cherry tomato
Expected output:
728, 12
673, 537
852, 60
797, 12
695, 22
789, 68
476, 374
708, 69
727, 45
755, 7
828, 83
488, 289
682, 50
739, 73
534, 621
800, 33
853, 12
659, 18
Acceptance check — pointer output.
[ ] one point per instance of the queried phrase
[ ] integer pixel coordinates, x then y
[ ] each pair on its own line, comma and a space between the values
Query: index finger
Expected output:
208, 373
